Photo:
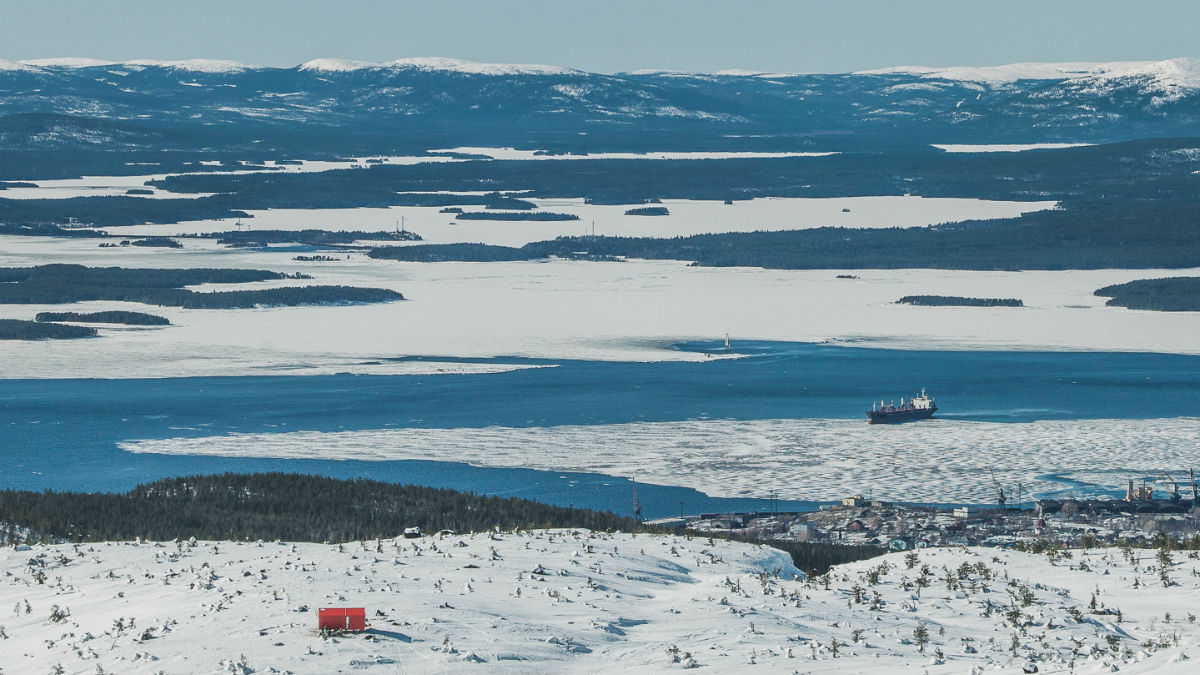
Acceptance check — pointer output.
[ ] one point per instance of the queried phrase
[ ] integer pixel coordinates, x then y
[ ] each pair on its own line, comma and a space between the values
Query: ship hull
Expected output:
897, 416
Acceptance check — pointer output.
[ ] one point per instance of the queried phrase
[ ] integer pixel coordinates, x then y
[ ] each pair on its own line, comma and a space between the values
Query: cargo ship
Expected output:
916, 408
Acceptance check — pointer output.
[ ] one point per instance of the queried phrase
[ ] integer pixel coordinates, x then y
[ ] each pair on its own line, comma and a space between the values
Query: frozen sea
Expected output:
717, 433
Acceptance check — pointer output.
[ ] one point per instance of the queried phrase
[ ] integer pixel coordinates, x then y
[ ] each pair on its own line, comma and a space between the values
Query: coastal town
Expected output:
1071, 523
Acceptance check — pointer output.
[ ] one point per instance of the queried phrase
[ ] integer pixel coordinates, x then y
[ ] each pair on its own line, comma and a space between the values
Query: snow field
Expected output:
581, 602
631, 311
940, 460
535, 602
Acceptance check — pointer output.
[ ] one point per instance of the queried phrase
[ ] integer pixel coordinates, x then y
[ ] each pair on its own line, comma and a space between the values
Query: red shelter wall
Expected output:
342, 618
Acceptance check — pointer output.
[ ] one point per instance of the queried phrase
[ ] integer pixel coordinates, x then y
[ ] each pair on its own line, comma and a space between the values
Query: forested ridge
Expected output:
958, 301
515, 215
1082, 235
1125, 205
60, 283
649, 211
1156, 169
309, 236
127, 318
298, 507
19, 329
114, 211
1171, 294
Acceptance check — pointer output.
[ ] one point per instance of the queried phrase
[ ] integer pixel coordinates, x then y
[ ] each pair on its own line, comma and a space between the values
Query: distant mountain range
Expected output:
426, 102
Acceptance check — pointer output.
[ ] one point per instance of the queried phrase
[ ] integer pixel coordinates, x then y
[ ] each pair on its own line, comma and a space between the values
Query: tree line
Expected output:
1171, 294
311, 237
648, 211
515, 215
299, 507
127, 318
958, 301
59, 283
18, 329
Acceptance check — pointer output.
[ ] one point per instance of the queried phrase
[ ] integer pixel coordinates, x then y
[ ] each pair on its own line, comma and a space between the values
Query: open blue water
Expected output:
62, 434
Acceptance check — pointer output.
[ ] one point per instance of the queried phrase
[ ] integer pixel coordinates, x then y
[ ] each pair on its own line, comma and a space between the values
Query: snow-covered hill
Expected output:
433, 63
1169, 71
576, 601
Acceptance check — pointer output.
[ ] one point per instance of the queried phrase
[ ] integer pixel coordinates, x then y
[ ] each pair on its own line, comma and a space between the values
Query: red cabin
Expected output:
342, 618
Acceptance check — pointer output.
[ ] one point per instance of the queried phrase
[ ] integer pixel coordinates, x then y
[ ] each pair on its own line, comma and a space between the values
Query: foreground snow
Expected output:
941, 460
581, 602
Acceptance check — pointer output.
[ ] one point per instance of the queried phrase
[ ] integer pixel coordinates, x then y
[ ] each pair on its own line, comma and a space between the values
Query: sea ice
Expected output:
631, 311
940, 460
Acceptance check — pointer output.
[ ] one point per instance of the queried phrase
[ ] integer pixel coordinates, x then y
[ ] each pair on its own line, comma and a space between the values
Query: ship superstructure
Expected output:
916, 408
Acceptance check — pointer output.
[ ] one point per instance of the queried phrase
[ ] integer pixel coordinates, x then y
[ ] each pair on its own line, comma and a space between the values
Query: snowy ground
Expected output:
631, 311
940, 460
579, 602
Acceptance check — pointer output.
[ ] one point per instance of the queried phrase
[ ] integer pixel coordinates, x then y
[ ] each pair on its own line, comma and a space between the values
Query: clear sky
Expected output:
609, 35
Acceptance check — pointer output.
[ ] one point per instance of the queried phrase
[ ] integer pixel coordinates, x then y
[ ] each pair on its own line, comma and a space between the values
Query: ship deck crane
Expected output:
637, 505
1167, 480
999, 490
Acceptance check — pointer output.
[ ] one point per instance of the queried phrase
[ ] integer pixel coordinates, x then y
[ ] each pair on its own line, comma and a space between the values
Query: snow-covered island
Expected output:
576, 601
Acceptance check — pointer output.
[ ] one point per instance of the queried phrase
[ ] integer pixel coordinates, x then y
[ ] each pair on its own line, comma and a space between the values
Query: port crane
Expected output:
1167, 480
637, 505
999, 491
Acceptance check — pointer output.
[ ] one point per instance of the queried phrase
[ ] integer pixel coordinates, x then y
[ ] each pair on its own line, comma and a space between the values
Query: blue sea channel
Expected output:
63, 434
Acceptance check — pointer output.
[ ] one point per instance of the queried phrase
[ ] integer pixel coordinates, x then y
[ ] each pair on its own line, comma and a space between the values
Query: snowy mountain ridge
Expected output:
430, 63
1179, 70
135, 103
1023, 71
195, 65
436, 64
1182, 73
